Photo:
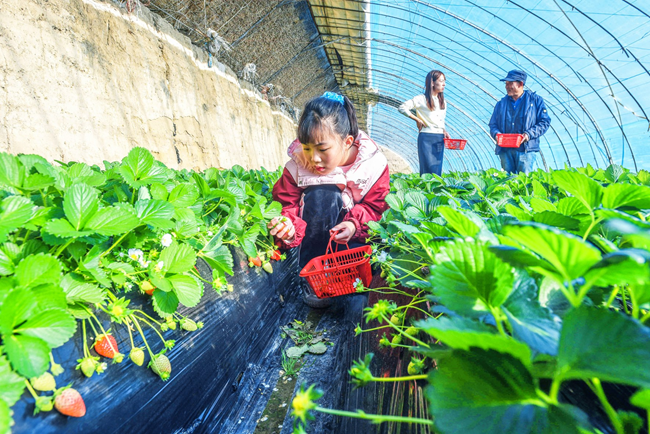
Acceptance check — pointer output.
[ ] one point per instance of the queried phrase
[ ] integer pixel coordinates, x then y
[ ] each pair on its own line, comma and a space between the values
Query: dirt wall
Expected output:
82, 80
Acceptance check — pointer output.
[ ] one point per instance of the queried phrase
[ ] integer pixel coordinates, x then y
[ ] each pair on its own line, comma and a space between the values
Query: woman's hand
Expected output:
344, 232
282, 228
420, 124
447, 136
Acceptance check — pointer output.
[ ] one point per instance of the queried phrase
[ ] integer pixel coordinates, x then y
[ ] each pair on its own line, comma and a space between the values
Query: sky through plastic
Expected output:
589, 60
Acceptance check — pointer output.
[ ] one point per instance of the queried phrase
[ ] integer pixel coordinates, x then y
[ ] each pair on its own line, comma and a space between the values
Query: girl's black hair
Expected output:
340, 118
428, 83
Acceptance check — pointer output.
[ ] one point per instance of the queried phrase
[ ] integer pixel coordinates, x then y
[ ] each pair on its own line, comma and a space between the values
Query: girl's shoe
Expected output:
310, 299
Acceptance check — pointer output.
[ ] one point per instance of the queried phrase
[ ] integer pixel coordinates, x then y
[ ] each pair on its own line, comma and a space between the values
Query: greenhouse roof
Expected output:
588, 59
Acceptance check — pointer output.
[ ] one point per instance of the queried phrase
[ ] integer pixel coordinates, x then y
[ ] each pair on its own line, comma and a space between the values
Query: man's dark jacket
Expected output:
535, 119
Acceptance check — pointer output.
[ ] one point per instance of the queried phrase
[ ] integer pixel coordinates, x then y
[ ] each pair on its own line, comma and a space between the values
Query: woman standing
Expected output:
430, 111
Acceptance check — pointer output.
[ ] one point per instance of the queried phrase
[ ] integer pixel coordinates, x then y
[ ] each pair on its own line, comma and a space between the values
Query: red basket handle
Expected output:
329, 251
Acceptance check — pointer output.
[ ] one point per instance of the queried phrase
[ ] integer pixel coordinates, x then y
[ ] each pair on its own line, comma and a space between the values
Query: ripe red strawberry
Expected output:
106, 345
255, 261
161, 366
147, 287
70, 403
276, 256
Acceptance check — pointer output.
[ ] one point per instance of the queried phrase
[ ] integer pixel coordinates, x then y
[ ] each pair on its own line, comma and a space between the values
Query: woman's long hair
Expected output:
428, 83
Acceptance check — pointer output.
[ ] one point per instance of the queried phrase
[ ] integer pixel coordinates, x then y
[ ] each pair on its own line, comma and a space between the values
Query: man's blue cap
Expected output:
516, 75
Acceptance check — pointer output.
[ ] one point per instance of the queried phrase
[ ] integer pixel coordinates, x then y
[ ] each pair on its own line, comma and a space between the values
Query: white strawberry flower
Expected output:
166, 240
159, 266
136, 254
382, 257
358, 284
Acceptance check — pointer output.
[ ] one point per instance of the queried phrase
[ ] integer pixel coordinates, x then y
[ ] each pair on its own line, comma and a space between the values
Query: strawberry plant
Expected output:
536, 279
77, 240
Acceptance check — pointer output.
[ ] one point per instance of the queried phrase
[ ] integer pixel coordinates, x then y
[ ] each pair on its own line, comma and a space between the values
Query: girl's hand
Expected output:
282, 228
447, 136
420, 124
344, 232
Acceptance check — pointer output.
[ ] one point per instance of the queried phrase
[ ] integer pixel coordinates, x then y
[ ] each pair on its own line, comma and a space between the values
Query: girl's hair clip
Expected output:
334, 97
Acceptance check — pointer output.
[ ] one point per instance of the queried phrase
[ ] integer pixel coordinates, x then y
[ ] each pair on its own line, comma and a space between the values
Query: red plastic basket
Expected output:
335, 272
509, 140
455, 144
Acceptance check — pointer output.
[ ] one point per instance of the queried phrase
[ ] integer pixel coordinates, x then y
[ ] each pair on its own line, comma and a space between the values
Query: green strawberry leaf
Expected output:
459, 222
29, 356
7, 266
139, 169
5, 418
178, 258
79, 291
487, 392
165, 303
63, 229
18, 306
114, 220
531, 323
12, 172
11, 384
569, 256
556, 219
15, 212
80, 202
158, 191
247, 240
187, 288
470, 279
591, 346
463, 333
585, 189
219, 259
54, 326
183, 195
626, 195
157, 213
38, 269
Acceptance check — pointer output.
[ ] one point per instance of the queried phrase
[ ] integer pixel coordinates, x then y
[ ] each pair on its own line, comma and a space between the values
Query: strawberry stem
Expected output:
31, 390
137, 325
130, 333
141, 312
86, 351
154, 329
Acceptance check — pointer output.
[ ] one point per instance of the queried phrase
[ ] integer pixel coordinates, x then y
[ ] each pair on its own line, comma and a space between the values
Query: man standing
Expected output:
520, 112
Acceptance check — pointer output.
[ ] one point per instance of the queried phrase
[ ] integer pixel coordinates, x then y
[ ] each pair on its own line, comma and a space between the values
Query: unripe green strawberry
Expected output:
413, 369
161, 366
411, 331
396, 339
44, 383
188, 325
43, 403
171, 323
395, 319
268, 267
87, 365
137, 356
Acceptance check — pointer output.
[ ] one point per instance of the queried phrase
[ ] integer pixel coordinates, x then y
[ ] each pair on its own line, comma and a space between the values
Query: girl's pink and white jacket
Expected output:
365, 184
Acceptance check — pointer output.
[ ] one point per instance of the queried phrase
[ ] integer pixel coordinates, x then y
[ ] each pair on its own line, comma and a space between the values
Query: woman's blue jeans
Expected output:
431, 150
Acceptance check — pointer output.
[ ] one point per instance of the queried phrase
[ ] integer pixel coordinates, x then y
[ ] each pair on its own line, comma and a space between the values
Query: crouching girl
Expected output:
335, 183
